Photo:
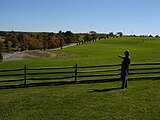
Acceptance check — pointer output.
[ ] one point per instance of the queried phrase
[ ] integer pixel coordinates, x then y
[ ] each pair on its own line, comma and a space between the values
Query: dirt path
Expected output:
26, 55
31, 53
73, 44
14, 56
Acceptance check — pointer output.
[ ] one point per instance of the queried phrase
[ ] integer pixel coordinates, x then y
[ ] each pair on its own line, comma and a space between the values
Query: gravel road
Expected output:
31, 53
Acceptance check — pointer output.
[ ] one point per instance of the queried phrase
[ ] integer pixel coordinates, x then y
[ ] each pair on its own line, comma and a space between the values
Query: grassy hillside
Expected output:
106, 51
100, 52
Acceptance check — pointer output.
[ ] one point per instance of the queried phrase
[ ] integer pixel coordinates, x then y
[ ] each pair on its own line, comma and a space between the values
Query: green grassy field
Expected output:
105, 101
97, 101
100, 52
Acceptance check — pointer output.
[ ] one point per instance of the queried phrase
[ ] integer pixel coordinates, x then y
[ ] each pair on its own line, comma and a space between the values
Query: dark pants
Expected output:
124, 77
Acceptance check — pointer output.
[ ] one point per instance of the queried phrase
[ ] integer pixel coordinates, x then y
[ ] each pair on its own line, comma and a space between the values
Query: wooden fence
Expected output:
74, 74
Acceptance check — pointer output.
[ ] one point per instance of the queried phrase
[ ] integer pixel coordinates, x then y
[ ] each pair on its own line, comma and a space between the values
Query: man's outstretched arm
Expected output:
120, 56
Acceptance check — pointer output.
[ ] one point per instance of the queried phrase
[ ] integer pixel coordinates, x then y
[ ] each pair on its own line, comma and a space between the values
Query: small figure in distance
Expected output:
1, 57
125, 66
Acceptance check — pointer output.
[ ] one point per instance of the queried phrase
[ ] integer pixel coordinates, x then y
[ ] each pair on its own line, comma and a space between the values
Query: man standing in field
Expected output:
125, 68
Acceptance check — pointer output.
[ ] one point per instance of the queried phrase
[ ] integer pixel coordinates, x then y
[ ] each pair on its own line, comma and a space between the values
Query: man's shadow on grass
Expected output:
105, 90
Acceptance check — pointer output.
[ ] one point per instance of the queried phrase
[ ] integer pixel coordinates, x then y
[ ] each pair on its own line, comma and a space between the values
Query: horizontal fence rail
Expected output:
25, 76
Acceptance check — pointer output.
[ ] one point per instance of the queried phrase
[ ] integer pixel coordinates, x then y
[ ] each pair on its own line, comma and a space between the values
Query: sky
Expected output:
140, 17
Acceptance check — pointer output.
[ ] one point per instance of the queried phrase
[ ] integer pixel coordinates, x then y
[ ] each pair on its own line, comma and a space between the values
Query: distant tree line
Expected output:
21, 41
156, 36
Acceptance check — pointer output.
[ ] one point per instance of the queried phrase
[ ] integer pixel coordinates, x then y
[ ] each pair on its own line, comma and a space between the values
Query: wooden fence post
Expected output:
75, 73
25, 75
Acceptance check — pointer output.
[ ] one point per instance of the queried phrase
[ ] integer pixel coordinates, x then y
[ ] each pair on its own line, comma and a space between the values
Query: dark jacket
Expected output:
126, 64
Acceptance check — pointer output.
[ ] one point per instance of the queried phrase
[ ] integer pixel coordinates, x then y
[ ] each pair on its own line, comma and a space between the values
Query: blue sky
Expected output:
128, 16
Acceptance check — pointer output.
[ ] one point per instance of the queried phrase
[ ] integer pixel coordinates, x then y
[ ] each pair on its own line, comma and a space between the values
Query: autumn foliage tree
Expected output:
13, 39
93, 35
87, 38
43, 40
1, 46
